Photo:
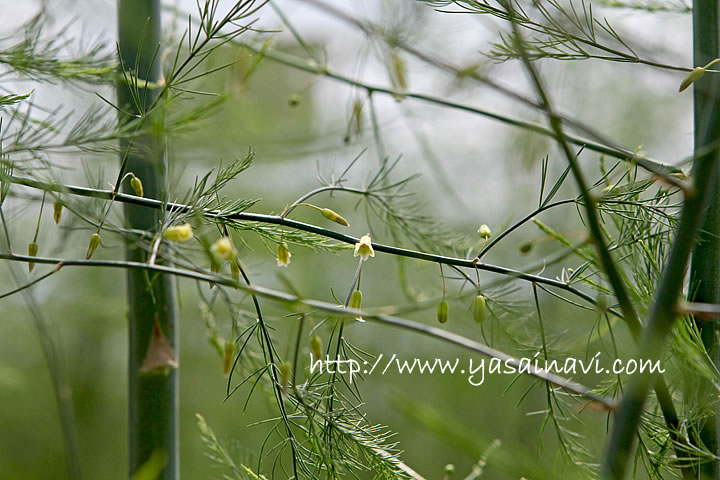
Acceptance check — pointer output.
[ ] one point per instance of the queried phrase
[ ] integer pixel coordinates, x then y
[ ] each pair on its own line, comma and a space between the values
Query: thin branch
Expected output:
338, 310
278, 220
608, 264
659, 170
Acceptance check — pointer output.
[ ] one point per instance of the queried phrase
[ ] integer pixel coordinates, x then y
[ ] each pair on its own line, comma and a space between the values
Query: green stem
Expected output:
153, 397
334, 309
442, 65
286, 222
663, 312
705, 266
606, 261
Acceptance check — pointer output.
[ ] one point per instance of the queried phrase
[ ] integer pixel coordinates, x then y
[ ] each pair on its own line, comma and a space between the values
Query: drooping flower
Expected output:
364, 248
283, 255
316, 346
57, 211
92, 246
484, 231
478, 308
179, 233
442, 311
137, 186
32, 252
223, 249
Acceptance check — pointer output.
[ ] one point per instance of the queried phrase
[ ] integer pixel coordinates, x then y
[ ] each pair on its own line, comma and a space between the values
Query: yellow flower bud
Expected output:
692, 77
484, 231
137, 186
355, 301
92, 246
442, 311
57, 211
223, 249
32, 252
330, 215
478, 308
316, 347
285, 369
283, 255
179, 233
228, 357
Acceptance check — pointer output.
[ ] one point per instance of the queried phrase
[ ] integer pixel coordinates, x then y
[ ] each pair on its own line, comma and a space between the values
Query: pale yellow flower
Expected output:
283, 255
484, 231
223, 249
179, 233
364, 247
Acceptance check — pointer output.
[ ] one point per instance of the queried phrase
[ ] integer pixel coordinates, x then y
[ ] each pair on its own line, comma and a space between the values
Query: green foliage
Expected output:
594, 251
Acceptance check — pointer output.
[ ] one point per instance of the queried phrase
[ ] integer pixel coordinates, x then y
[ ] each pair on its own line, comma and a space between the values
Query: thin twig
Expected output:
278, 220
338, 310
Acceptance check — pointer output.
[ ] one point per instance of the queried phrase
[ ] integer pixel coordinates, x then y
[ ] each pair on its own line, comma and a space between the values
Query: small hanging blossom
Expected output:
283, 255
316, 347
484, 232
137, 185
223, 249
442, 311
179, 233
478, 308
285, 370
32, 252
92, 246
57, 212
364, 247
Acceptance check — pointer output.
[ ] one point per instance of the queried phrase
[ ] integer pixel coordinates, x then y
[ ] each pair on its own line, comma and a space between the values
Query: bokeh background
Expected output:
472, 170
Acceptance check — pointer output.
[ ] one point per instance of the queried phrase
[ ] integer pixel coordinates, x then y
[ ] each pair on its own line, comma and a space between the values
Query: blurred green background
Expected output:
473, 171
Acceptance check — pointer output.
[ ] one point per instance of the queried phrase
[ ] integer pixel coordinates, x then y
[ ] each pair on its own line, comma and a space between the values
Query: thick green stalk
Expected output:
153, 386
695, 214
705, 269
